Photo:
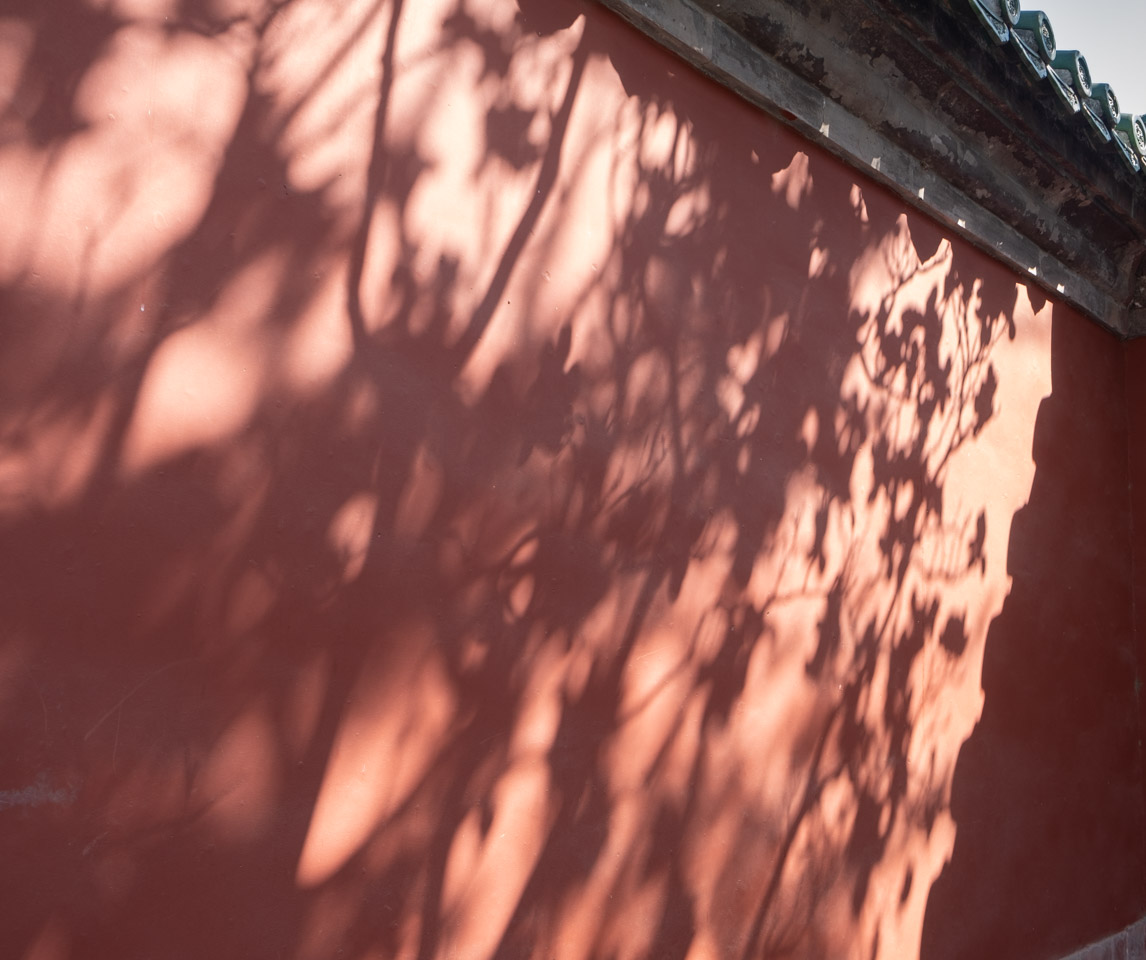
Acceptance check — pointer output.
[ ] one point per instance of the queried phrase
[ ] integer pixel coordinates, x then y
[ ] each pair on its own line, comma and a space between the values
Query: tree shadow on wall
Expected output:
1049, 850
619, 645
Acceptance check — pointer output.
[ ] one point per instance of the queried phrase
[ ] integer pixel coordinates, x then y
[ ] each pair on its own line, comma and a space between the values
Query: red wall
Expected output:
471, 487
1047, 791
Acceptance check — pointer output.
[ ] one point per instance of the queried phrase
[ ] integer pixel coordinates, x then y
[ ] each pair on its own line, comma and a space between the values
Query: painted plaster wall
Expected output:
470, 487
1049, 851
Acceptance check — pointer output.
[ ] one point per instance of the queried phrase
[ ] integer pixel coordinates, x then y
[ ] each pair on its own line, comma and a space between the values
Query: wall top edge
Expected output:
923, 97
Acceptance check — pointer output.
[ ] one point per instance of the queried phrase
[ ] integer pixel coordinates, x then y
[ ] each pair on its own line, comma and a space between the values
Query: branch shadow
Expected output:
519, 526
1047, 790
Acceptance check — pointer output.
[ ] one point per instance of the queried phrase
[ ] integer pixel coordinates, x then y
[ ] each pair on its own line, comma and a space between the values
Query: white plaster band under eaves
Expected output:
719, 51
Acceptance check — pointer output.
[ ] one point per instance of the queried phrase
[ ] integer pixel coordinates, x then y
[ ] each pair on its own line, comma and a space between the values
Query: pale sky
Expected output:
1109, 33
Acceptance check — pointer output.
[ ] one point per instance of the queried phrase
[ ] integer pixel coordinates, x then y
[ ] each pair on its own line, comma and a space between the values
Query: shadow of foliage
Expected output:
590, 599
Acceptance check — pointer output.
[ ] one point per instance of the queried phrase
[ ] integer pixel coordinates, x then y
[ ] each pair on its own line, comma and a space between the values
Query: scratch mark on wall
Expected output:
127, 696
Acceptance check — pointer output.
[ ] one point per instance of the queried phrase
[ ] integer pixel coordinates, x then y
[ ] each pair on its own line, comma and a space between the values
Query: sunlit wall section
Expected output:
470, 487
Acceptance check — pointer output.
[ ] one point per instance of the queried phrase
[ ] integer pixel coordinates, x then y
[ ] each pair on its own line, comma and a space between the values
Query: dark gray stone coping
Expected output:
1099, 282
1128, 944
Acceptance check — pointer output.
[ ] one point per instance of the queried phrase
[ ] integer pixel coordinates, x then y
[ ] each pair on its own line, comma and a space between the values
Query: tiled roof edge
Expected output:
1068, 227
1028, 35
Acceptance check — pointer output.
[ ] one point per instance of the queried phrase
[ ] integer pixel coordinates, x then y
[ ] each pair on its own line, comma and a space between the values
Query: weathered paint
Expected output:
471, 487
